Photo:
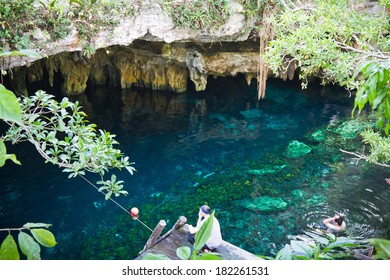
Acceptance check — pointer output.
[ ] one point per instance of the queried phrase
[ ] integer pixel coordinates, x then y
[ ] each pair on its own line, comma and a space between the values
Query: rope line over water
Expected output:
120, 206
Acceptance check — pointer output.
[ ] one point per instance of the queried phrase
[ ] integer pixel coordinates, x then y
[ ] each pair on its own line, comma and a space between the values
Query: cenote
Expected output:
222, 147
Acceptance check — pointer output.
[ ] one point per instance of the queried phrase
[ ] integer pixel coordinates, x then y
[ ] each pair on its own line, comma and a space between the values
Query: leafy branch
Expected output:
29, 244
63, 137
326, 45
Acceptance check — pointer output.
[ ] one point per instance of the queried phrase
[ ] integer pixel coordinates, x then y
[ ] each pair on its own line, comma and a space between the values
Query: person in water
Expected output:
216, 237
336, 223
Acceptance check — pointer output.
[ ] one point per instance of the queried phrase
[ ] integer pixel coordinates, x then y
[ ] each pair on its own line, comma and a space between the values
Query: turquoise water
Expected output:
222, 147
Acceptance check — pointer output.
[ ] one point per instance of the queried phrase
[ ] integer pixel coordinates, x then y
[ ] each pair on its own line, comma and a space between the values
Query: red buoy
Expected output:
134, 213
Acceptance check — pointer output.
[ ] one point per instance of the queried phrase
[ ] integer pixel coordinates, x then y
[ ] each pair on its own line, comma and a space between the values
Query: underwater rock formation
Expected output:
264, 204
296, 149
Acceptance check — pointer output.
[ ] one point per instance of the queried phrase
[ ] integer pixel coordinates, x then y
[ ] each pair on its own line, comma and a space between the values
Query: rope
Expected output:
120, 206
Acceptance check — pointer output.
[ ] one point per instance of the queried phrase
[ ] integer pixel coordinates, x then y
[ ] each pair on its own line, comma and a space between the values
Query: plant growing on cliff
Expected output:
196, 14
327, 39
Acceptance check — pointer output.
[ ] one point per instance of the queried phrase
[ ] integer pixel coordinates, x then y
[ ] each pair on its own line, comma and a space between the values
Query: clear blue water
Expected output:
197, 148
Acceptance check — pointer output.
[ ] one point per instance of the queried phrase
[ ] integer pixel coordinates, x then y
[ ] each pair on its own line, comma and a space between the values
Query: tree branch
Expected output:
377, 55
362, 156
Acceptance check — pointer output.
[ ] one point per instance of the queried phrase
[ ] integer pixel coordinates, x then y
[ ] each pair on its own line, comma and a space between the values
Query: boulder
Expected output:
296, 149
264, 204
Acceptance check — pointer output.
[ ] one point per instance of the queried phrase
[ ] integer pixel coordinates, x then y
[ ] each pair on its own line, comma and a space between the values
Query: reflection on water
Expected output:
222, 147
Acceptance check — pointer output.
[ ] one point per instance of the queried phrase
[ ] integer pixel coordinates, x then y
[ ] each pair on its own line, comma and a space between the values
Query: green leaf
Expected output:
44, 237
302, 247
158, 257
4, 156
29, 246
3, 153
183, 252
13, 158
28, 53
285, 253
204, 233
341, 242
8, 249
36, 225
9, 106
382, 244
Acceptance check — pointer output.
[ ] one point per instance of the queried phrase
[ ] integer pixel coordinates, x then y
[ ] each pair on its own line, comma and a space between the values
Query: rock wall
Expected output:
145, 50
154, 65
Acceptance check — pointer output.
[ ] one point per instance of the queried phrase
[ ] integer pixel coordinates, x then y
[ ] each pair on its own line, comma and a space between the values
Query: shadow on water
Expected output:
222, 147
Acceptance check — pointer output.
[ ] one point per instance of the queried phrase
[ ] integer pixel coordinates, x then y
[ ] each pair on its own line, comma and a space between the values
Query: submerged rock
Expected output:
264, 204
297, 194
349, 129
318, 135
266, 170
296, 149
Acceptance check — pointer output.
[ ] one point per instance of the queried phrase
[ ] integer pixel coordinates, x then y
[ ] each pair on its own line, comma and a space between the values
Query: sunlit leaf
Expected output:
383, 244
10, 109
44, 237
183, 252
4, 156
9, 249
13, 158
302, 247
204, 233
29, 246
36, 225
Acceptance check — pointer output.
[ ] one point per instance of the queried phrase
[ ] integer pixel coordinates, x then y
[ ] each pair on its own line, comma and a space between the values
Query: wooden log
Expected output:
179, 223
155, 235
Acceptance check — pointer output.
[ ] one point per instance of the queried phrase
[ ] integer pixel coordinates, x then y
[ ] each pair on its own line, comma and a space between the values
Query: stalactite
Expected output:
266, 34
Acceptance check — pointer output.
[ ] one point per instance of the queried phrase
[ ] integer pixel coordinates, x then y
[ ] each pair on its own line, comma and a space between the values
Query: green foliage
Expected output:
253, 8
14, 18
184, 252
89, 51
4, 156
203, 234
9, 111
9, 106
385, 3
205, 14
62, 136
29, 245
375, 91
382, 248
326, 247
28, 53
112, 186
327, 44
92, 16
9, 249
19, 18
201, 238
379, 146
